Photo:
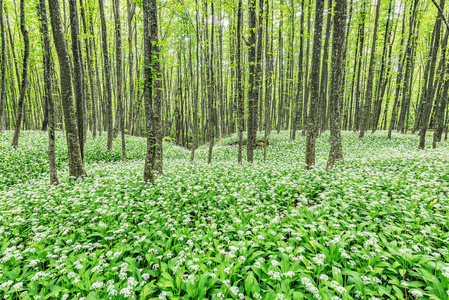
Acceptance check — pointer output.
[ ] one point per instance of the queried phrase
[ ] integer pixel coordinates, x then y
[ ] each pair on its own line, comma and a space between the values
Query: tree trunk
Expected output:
91, 73
118, 47
306, 72
240, 109
408, 78
131, 12
107, 76
77, 73
443, 104
370, 83
300, 91
197, 87
3, 71
268, 86
211, 85
48, 95
254, 75
383, 79
429, 91
312, 122
324, 71
361, 42
153, 92
24, 85
281, 68
76, 167
336, 91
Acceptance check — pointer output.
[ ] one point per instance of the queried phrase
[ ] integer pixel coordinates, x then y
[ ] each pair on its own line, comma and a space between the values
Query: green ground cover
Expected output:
376, 227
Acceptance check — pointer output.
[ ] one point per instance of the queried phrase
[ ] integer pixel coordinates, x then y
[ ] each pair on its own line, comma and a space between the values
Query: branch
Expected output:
247, 43
442, 14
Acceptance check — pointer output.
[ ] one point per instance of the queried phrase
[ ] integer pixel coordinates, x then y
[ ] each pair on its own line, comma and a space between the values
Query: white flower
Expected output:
96, 285
275, 263
341, 290
234, 290
126, 292
416, 293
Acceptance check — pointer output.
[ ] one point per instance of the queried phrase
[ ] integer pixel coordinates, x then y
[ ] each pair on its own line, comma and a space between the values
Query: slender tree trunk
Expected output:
76, 167
118, 47
89, 60
148, 88
197, 87
254, 76
77, 73
437, 135
306, 72
281, 68
408, 78
312, 122
24, 85
211, 85
268, 86
370, 83
240, 109
107, 75
429, 92
300, 91
382, 77
336, 91
131, 12
48, 95
3, 71
359, 71
402, 58
153, 92
324, 71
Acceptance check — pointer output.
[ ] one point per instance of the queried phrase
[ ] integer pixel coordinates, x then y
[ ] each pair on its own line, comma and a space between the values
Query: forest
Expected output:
224, 149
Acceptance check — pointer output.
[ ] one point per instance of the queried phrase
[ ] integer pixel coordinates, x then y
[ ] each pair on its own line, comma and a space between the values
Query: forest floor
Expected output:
376, 227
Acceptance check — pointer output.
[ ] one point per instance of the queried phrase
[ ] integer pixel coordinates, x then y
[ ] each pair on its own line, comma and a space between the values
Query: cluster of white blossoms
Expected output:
310, 287
273, 220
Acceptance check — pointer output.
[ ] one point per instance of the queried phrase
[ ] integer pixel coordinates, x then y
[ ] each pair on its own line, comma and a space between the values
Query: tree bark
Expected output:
312, 122
76, 167
383, 78
118, 50
91, 73
211, 85
281, 68
361, 42
268, 86
131, 12
429, 91
240, 108
197, 87
107, 76
336, 91
48, 95
408, 78
77, 73
153, 92
324, 71
254, 76
3, 70
437, 135
24, 85
370, 83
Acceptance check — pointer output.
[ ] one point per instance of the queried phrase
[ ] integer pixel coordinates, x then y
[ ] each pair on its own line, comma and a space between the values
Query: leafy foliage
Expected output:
376, 227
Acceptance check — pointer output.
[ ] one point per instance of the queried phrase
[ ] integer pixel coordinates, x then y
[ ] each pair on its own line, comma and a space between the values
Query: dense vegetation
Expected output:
373, 228
216, 149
